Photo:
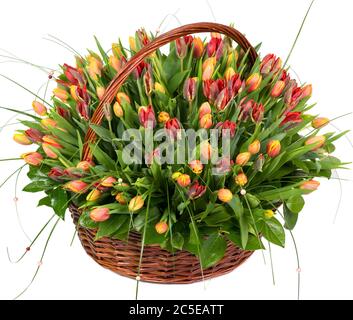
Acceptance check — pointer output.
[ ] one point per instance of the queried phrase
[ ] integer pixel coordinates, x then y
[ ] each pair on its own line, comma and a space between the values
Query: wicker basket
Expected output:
158, 265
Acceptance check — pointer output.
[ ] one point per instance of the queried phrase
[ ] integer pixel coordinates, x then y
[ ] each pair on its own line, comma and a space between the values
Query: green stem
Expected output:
272, 268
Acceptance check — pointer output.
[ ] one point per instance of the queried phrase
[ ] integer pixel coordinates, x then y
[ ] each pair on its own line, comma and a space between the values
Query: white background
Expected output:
321, 57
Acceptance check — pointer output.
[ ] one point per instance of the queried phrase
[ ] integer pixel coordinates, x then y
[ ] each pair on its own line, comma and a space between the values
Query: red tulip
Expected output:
215, 46
148, 82
222, 100
292, 118
182, 45
270, 64
196, 191
147, 117
74, 76
258, 112
173, 126
56, 174
227, 125
34, 135
189, 90
246, 107
139, 69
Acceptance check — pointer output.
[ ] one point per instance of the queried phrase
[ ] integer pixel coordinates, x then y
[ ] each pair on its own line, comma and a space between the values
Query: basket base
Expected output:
158, 265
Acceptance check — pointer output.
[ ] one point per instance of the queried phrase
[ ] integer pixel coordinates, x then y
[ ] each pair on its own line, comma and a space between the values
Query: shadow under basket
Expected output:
158, 265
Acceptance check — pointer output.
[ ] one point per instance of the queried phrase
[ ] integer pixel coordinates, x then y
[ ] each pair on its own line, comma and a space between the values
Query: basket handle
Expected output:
155, 44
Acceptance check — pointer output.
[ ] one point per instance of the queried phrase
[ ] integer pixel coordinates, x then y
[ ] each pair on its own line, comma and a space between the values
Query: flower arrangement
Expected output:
200, 146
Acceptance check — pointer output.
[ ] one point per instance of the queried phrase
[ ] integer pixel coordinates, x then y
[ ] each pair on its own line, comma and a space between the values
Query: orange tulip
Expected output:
225, 195
108, 182
51, 141
76, 186
255, 147
243, 158
121, 198
204, 109
241, 179
229, 73
39, 108
85, 165
198, 47
319, 123
136, 203
122, 97
61, 94
22, 139
317, 142
278, 89
274, 148
310, 185
253, 82
118, 110
196, 166
50, 151
208, 68
33, 158
100, 214
100, 92
161, 227
47, 123
163, 117
206, 121
94, 195
184, 180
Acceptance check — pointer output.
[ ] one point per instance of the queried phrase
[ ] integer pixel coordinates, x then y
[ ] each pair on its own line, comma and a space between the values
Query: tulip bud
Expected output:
39, 108
206, 121
319, 123
292, 118
161, 227
241, 179
307, 91
317, 142
270, 64
34, 135
259, 163
132, 43
163, 117
225, 195
100, 214
148, 83
198, 47
176, 175
56, 174
196, 166
243, 158
122, 98
227, 126
258, 112
85, 165
208, 68
229, 73
204, 109
136, 204
255, 147
76, 186
147, 117
100, 92
274, 148
22, 139
159, 88
173, 127
94, 195
115, 63
189, 90
310, 185
95, 67
121, 198
253, 82
51, 141
108, 182
118, 110
61, 94
269, 214
50, 151
183, 180
222, 100
196, 191
278, 89
47, 123
232, 57
182, 46
205, 150
33, 158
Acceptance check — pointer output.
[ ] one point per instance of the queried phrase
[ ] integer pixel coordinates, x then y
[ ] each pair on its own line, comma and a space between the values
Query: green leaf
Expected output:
238, 209
295, 204
290, 218
174, 83
102, 157
212, 250
330, 163
36, 186
86, 222
253, 243
177, 240
103, 133
110, 226
44, 202
273, 231
217, 216
59, 201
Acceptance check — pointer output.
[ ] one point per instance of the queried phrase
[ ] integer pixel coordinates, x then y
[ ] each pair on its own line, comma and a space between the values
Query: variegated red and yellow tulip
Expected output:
22, 138
100, 214
76, 186
39, 108
274, 148
33, 158
225, 195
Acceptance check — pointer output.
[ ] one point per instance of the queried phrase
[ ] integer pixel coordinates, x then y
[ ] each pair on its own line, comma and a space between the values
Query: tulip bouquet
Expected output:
257, 147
